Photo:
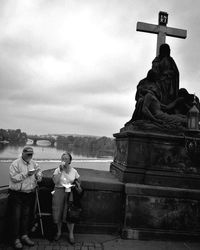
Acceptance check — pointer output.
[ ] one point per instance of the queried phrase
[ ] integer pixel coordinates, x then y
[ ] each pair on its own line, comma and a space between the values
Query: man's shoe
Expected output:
71, 240
18, 244
26, 240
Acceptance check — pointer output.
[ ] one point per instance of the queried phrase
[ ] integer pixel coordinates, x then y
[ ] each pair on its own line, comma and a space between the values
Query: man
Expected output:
23, 176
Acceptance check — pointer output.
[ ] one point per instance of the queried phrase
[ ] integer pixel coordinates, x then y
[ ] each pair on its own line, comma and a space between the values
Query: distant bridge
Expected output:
36, 138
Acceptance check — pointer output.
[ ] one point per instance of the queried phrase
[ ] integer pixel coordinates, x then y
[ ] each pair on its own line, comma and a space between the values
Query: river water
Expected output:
49, 157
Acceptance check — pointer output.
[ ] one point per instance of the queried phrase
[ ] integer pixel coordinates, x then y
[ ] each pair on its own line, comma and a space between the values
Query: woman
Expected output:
63, 176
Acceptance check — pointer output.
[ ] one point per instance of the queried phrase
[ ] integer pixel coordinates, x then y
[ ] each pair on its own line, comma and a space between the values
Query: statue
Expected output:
152, 110
142, 89
167, 74
182, 104
159, 101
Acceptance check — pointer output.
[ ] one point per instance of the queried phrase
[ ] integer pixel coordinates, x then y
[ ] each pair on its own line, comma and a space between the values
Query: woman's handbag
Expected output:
77, 188
73, 211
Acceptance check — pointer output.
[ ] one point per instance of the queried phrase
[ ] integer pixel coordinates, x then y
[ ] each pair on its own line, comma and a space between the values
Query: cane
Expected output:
39, 212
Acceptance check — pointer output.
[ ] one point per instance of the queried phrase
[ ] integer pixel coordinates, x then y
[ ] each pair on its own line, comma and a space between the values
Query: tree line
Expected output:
97, 146
14, 136
91, 145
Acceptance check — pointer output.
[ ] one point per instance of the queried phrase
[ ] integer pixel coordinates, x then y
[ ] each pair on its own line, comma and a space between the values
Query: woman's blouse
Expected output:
61, 178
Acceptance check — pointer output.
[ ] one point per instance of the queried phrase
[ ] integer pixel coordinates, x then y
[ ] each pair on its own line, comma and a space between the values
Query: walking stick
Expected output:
39, 212
35, 225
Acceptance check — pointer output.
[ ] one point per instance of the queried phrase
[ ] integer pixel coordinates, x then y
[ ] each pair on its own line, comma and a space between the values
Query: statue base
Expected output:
161, 175
157, 159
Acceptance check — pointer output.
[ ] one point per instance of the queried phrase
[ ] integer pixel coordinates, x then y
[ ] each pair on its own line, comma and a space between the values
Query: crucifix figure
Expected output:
161, 29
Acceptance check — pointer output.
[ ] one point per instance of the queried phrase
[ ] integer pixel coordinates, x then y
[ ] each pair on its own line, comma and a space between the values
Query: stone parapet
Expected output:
136, 211
102, 202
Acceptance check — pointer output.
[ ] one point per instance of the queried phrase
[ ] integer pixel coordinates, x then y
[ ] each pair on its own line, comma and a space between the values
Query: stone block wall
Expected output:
102, 202
3, 211
136, 211
161, 212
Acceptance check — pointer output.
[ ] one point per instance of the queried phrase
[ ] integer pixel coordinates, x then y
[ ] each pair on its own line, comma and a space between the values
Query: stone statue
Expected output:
167, 75
152, 110
142, 89
182, 104
159, 101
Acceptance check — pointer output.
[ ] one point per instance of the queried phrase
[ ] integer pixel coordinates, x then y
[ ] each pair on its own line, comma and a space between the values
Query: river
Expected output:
49, 157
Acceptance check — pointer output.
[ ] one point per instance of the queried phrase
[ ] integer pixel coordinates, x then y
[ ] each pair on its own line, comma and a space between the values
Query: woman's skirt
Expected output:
59, 205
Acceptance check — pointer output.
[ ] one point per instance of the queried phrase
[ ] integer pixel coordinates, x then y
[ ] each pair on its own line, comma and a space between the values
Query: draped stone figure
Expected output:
167, 75
142, 89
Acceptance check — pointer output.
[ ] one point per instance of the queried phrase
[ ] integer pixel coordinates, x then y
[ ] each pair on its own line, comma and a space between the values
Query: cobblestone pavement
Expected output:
60, 245
107, 242
41, 245
83, 242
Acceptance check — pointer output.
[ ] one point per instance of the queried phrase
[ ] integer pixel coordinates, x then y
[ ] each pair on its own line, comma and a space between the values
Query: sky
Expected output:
72, 66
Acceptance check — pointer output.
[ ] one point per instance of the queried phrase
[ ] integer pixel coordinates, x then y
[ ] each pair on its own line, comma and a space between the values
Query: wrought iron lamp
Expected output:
193, 117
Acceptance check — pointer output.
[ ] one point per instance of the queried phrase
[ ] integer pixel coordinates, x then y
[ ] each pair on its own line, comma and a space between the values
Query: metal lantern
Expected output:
193, 117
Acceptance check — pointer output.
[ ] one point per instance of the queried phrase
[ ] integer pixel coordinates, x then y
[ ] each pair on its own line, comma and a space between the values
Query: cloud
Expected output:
74, 65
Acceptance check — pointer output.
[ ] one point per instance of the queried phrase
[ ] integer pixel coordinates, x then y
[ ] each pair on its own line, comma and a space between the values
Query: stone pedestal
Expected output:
157, 159
161, 174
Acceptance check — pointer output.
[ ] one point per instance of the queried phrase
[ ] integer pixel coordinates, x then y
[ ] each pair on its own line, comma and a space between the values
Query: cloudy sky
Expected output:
72, 66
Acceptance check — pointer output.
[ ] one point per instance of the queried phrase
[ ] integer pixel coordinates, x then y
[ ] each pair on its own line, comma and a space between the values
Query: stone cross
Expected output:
161, 29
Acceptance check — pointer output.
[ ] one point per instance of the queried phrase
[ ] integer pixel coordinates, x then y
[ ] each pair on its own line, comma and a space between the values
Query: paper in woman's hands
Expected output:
67, 185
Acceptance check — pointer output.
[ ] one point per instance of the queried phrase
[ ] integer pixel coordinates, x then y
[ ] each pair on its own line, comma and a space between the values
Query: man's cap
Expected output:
28, 150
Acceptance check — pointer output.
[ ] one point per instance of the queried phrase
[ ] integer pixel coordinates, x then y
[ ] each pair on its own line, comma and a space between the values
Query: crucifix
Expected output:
161, 29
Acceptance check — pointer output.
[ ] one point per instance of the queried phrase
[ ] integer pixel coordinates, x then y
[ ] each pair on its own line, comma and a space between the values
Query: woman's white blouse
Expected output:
65, 178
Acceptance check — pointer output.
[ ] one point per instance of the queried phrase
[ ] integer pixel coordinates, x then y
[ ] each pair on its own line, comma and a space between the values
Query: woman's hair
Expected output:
66, 153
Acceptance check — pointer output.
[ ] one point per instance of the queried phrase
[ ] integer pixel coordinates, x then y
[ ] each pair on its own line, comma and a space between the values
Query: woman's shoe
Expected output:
57, 237
27, 241
18, 244
71, 240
